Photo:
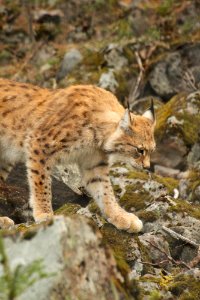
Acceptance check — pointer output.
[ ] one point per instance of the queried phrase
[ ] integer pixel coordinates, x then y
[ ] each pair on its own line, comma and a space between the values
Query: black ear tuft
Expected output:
152, 108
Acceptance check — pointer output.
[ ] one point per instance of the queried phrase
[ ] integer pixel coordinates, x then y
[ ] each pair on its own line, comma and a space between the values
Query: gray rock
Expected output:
167, 172
108, 81
157, 256
75, 264
114, 57
194, 155
71, 59
178, 71
170, 152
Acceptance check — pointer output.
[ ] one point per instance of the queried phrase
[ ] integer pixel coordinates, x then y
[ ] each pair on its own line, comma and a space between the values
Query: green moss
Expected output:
145, 256
190, 127
123, 87
68, 209
155, 295
120, 243
135, 196
123, 28
137, 175
193, 184
5, 56
187, 130
162, 115
168, 182
182, 287
186, 287
165, 7
117, 189
148, 216
185, 207
94, 208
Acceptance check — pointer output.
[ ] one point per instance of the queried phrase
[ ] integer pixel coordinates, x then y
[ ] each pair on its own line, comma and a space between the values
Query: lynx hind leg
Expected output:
6, 223
39, 178
97, 183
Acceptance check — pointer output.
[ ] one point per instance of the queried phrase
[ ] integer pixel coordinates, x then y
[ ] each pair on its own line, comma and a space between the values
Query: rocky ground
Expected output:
137, 49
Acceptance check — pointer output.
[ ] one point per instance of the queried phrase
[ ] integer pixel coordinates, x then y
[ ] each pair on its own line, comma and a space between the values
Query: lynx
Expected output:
81, 124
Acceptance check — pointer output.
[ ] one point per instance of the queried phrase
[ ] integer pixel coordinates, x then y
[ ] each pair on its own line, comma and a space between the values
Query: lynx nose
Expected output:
146, 163
146, 167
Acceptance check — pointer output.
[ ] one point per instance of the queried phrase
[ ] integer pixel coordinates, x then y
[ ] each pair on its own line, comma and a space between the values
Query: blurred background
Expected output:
111, 43
136, 49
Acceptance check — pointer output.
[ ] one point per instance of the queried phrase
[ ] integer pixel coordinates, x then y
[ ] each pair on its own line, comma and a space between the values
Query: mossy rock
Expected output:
117, 239
68, 209
193, 183
135, 197
185, 287
182, 206
168, 182
187, 127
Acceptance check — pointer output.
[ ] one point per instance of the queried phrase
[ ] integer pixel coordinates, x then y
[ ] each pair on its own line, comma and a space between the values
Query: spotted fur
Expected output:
82, 124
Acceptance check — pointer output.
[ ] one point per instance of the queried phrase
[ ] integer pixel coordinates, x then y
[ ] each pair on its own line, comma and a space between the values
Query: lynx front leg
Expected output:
40, 187
97, 183
6, 223
5, 168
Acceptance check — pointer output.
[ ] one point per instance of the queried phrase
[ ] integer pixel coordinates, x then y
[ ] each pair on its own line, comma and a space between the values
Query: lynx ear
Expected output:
125, 122
150, 113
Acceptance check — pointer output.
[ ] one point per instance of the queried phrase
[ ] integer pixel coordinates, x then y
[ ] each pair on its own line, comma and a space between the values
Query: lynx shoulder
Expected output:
82, 124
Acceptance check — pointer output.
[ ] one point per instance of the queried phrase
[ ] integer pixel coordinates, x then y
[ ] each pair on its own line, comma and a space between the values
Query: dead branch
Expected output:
29, 20
135, 86
27, 60
189, 79
178, 236
195, 260
175, 262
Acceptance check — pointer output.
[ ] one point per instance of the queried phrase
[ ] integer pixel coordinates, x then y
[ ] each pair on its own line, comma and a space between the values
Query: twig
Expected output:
29, 20
195, 260
27, 60
135, 86
179, 236
178, 263
154, 264
190, 80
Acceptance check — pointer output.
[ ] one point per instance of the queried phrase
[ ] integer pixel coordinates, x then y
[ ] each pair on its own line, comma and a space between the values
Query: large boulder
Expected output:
63, 260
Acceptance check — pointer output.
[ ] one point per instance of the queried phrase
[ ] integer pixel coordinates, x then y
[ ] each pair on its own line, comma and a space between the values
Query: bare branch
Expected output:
178, 236
27, 60
195, 260
135, 86
175, 262
29, 20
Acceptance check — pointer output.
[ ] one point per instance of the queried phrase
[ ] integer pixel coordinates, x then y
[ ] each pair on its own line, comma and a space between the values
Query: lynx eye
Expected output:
140, 151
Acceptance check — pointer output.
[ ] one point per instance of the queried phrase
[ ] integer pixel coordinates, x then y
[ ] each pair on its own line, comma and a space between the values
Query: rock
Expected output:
166, 172
71, 59
157, 247
50, 16
177, 130
72, 261
113, 55
14, 204
176, 72
170, 152
14, 194
108, 81
193, 158
70, 175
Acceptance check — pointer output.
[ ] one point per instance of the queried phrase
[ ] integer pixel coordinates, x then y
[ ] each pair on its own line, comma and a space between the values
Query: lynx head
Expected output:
133, 140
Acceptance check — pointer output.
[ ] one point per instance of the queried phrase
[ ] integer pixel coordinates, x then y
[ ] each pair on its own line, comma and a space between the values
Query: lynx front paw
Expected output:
39, 218
6, 223
126, 221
